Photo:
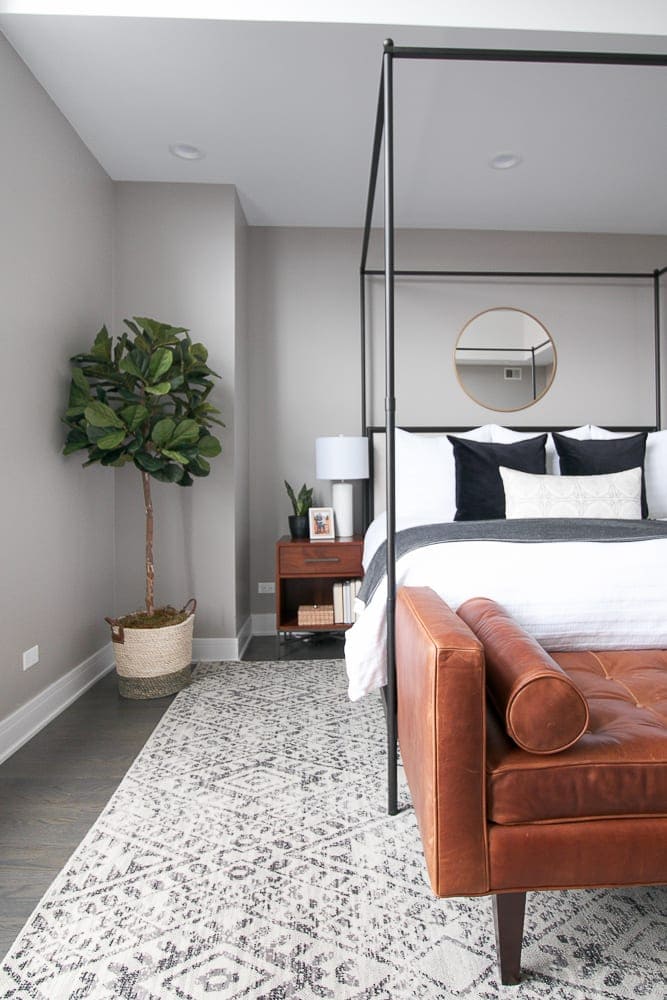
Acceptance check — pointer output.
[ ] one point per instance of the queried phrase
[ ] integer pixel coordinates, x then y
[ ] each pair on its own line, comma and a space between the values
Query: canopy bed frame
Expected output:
384, 142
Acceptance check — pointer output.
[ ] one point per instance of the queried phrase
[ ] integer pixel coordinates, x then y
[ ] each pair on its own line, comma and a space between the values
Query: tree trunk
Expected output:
150, 568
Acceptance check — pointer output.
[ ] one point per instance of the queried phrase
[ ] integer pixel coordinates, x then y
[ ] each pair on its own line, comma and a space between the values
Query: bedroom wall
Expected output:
178, 259
241, 419
56, 519
304, 329
304, 374
603, 331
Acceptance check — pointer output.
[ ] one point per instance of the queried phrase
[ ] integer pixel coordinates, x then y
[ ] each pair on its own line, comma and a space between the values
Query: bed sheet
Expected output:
569, 595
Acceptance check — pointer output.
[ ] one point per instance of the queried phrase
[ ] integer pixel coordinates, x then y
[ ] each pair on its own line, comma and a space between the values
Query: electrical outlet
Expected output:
30, 657
266, 588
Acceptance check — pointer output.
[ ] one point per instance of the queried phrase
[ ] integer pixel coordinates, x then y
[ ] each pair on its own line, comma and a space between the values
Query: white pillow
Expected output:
426, 475
617, 494
602, 434
655, 466
503, 435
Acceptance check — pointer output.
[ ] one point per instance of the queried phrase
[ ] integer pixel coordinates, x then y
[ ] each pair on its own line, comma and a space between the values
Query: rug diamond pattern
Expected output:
247, 854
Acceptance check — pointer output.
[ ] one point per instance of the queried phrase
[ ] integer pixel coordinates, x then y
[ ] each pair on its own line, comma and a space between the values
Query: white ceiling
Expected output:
285, 112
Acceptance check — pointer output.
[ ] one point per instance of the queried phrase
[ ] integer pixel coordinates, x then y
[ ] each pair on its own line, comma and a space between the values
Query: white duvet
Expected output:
569, 595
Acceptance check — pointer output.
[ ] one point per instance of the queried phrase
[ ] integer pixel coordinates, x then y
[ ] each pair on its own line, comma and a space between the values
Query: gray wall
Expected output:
304, 371
56, 519
304, 329
241, 421
177, 259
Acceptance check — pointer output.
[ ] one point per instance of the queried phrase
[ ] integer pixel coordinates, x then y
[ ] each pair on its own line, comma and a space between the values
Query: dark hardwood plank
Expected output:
316, 646
53, 789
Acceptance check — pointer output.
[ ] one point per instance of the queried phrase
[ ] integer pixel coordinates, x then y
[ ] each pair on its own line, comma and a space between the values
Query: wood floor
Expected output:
53, 789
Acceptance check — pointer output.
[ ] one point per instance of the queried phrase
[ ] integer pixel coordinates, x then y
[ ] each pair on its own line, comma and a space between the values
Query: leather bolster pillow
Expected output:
543, 709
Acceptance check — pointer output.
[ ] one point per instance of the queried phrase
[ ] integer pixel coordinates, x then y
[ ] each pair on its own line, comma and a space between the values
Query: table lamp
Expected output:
342, 458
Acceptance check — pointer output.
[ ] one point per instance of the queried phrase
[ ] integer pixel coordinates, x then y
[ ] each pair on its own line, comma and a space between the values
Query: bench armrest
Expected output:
442, 737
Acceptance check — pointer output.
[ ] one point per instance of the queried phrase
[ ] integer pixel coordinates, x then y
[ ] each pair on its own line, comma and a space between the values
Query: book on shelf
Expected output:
338, 601
344, 595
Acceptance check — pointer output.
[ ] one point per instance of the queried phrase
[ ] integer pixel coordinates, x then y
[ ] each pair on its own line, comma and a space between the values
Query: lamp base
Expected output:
342, 499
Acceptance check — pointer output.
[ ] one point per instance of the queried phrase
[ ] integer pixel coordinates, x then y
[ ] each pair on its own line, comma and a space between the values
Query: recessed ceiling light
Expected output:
505, 161
184, 151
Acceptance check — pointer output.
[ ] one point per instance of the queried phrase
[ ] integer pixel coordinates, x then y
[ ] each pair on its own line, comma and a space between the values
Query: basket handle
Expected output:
117, 630
186, 606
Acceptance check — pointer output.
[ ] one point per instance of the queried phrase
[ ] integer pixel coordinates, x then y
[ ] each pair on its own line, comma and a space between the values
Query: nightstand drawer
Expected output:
321, 559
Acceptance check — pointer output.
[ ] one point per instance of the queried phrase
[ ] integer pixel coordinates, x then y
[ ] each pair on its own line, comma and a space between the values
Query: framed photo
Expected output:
321, 523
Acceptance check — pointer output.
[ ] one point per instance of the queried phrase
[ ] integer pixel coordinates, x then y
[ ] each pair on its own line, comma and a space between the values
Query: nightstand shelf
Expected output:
305, 575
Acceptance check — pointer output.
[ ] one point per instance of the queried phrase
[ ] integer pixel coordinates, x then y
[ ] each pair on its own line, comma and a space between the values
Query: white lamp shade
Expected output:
341, 457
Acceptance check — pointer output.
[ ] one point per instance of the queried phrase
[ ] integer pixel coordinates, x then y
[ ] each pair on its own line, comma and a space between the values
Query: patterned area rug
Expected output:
248, 853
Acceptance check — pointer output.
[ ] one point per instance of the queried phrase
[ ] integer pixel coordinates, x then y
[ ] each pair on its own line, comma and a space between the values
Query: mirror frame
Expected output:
506, 409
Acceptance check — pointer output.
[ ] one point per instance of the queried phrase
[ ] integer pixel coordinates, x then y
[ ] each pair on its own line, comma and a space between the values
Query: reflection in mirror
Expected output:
505, 359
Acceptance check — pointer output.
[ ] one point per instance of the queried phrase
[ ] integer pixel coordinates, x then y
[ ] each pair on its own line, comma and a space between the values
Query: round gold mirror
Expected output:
505, 359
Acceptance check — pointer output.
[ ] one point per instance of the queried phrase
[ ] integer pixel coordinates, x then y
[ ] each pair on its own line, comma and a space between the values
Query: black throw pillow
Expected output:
480, 495
597, 458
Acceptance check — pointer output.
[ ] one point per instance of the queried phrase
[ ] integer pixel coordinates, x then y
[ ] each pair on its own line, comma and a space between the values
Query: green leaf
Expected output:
95, 433
102, 346
186, 432
209, 446
77, 397
111, 440
199, 467
76, 440
69, 449
185, 480
80, 381
100, 415
127, 365
163, 431
74, 411
148, 462
176, 456
290, 494
160, 362
199, 352
127, 395
133, 327
158, 390
134, 415
169, 474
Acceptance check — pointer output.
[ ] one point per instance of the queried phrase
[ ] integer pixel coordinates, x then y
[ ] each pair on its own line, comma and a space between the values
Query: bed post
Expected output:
390, 425
656, 348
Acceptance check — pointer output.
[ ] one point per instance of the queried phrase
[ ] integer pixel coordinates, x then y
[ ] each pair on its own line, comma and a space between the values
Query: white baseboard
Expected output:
264, 624
27, 720
215, 649
221, 648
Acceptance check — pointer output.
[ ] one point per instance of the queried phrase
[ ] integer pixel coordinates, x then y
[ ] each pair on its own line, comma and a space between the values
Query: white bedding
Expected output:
569, 595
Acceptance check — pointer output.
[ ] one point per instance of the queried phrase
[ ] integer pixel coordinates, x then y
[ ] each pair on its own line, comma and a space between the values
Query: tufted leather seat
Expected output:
617, 768
500, 820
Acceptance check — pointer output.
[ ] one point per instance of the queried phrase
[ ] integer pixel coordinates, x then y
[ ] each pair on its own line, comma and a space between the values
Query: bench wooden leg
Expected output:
508, 912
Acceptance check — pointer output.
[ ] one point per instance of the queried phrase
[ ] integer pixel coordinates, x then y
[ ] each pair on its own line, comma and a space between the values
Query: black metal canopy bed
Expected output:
487, 529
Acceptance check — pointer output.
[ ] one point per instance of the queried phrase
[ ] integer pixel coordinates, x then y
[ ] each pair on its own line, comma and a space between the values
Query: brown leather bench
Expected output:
528, 770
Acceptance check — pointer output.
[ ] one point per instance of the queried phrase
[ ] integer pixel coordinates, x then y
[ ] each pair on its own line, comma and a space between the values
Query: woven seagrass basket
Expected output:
153, 662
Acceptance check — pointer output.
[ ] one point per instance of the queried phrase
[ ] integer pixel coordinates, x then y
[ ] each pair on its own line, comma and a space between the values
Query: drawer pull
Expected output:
321, 559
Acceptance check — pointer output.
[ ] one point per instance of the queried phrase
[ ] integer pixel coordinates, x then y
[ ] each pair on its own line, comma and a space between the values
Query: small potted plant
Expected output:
301, 502
144, 400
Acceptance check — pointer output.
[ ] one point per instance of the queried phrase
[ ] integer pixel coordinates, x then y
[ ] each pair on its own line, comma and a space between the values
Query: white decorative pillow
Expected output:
615, 495
503, 435
426, 475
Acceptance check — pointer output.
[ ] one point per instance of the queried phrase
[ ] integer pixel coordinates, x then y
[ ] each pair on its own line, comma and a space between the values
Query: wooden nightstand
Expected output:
306, 573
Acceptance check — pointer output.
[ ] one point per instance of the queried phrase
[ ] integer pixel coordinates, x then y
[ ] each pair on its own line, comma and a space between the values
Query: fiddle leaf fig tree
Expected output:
144, 399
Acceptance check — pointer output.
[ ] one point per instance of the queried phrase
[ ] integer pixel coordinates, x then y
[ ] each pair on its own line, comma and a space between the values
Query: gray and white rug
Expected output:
248, 853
